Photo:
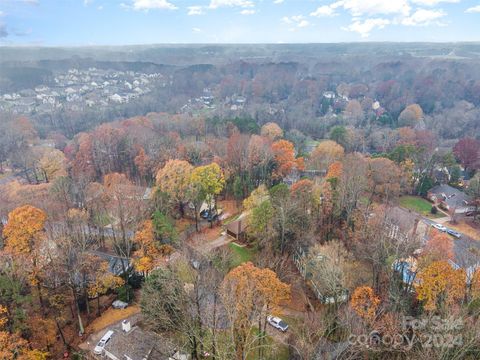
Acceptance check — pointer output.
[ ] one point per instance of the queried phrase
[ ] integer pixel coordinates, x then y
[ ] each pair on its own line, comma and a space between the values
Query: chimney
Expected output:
126, 326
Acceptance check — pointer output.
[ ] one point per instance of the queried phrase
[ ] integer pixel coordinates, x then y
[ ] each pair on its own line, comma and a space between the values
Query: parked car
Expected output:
454, 233
471, 213
210, 216
118, 304
277, 323
440, 227
103, 341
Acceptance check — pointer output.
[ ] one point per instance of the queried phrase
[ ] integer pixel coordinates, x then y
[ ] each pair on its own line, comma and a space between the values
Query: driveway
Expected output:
94, 338
466, 249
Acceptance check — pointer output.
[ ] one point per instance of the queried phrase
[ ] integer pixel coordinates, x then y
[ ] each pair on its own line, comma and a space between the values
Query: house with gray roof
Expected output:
134, 343
450, 199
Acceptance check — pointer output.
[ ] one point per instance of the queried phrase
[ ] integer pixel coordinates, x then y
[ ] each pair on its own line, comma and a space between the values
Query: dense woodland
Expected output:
307, 171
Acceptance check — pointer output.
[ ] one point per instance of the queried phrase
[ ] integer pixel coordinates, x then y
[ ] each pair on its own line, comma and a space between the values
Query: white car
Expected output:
440, 227
103, 341
118, 304
277, 323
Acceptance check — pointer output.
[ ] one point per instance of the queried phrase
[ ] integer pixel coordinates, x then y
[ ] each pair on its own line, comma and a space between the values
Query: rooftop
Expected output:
138, 344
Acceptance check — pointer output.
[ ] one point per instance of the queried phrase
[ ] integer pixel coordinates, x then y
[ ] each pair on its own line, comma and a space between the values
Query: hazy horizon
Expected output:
129, 22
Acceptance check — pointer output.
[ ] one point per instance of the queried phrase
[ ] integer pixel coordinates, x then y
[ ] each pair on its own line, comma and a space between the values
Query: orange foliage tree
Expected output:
365, 303
475, 285
24, 234
146, 247
335, 171
438, 248
284, 153
13, 346
250, 294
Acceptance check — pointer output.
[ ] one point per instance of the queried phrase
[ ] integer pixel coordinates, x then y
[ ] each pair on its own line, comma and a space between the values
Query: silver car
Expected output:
277, 323
118, 304
440, 227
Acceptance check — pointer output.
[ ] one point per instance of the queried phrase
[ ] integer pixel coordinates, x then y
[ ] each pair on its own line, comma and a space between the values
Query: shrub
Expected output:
434, 210
125, 293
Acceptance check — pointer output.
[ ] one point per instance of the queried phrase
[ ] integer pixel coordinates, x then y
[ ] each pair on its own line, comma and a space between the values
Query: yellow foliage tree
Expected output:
174, 179
104, 282
24, 228
326, 152
53, 164
440, 285
272, 131
209, 180
250, 294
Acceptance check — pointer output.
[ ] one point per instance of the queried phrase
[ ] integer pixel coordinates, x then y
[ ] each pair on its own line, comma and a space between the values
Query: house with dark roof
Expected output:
117, 265
450, 199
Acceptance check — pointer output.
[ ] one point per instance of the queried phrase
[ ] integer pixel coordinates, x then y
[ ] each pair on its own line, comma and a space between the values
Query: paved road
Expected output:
466, 249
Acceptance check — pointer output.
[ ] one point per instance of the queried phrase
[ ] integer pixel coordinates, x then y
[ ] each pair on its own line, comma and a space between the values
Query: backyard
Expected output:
240, 254
420, 205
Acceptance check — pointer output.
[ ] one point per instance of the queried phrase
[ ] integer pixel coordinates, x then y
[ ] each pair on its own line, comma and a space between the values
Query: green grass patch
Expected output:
419, 205
240, 254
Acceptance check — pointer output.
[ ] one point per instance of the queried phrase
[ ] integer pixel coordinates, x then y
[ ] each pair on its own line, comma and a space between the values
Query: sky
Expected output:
126, 22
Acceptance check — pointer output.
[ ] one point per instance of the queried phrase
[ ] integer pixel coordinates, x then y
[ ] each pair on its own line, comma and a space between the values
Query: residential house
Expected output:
306, 266
329, 95
450, 199
134, 343
236, 229
117, 265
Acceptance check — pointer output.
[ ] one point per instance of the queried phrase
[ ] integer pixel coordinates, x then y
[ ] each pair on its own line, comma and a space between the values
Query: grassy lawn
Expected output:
419, 205
240, 254
112, 316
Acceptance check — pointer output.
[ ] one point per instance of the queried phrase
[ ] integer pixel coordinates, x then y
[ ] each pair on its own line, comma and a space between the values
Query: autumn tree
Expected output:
24, 234
440, 285
467, 151
272, 131
210, 182
104, 281
410, 115
284, 153
474, 191
365, 303
438, 248
52, 164
236, 163
324, 154
143, 163
384, 179
352, 183
126, 206
249, 295
378, 241
334, 173
354, 110
174, 179
260, 158
328, 266
162, 300
13, 345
